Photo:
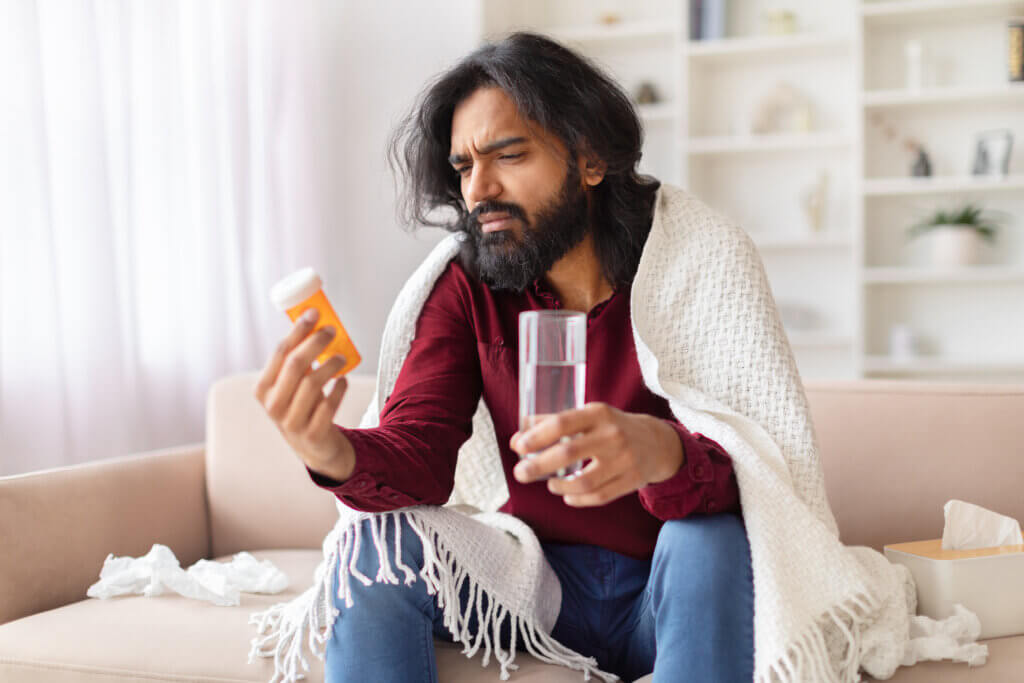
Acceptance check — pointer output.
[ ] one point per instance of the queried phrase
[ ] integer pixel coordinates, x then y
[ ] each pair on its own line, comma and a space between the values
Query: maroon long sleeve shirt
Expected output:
465, 347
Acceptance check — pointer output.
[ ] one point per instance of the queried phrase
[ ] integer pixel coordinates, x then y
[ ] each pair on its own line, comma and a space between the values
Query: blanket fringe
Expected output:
808, 659
313, 610
444, 577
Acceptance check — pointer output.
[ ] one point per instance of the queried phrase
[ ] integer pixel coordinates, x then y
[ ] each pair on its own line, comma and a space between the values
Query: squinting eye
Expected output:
462, 171
511, 156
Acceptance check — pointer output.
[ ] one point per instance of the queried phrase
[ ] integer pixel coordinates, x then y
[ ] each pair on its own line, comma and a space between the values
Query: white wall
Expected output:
380, 55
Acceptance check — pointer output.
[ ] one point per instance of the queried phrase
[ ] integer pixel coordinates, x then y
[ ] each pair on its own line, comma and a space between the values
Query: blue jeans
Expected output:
694, 597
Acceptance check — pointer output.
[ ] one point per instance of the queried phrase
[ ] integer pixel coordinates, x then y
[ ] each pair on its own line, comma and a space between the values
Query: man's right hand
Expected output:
291, 392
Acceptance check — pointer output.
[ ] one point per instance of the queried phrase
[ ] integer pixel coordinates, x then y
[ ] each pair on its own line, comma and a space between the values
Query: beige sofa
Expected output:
893, 452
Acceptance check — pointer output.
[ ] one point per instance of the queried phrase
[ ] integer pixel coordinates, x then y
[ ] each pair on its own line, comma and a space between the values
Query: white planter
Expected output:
954, 245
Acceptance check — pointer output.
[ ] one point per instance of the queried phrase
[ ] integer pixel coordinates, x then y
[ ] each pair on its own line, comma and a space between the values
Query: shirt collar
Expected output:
542, 290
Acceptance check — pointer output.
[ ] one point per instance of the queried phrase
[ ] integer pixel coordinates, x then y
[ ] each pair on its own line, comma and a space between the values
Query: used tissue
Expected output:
970, 526
159, 570
950, 638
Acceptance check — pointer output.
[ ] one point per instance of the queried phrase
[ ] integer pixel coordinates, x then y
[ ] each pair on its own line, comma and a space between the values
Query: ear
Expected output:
592, 168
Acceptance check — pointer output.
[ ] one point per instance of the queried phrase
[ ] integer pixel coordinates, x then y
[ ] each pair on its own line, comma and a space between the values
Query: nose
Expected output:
481, 185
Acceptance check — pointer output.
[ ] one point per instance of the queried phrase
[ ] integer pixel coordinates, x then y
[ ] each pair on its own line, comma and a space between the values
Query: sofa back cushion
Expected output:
894, 451
260, 495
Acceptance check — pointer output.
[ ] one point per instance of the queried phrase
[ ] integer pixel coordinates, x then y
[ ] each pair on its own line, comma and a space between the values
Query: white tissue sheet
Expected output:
971, 526
159, 570
950, 638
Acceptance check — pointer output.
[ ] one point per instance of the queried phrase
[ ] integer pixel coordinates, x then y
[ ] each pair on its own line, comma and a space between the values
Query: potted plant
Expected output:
956, 234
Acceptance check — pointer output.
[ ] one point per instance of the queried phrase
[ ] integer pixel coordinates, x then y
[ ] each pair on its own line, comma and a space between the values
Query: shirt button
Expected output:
698, 471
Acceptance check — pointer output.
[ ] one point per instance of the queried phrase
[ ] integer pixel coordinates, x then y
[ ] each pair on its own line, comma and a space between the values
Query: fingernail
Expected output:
523, 472
311, 315
329, 331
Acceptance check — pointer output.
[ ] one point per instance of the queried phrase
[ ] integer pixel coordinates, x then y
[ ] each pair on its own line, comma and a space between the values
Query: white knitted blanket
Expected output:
709, 339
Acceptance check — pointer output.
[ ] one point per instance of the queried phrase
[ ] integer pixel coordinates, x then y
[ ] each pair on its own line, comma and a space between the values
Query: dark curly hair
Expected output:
569, 97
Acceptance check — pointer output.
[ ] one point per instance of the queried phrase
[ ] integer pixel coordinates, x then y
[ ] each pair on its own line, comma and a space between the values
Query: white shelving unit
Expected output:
858, 274
970, 320
882, 187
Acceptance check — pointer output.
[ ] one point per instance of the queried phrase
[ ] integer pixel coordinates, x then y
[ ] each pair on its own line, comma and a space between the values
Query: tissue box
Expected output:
987, 581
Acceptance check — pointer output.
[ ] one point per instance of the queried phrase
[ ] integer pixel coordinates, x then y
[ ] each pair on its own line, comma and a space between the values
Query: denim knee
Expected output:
400, 549
705, 549
383, 631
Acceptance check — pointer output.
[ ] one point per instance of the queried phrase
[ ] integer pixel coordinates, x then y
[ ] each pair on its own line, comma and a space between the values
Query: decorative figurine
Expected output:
783, 109
922, 165
813, 200
646, 93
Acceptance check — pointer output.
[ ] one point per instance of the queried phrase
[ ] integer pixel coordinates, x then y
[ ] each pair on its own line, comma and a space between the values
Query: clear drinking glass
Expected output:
552, 368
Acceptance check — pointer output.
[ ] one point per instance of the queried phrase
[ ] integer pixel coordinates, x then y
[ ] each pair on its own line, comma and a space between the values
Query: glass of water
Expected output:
552, 368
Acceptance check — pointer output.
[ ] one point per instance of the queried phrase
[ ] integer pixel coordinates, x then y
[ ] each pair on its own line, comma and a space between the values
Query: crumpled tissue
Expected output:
950, 638
970, 526
159, 571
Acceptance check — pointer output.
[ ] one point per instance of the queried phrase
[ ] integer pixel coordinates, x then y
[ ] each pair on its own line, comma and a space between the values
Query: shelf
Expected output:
940, 364
930, 275
662, 111
765, 47
824, 241
778, 142
928, 11
818, 339
962, 94
623, 31
891, 187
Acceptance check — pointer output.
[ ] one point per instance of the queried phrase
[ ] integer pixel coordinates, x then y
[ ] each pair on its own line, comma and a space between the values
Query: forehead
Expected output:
488, 115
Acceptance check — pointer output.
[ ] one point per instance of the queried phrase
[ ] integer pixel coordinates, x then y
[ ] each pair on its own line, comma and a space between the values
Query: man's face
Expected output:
519, 172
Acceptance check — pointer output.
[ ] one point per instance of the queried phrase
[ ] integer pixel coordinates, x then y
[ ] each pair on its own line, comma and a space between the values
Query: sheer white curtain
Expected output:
162, 167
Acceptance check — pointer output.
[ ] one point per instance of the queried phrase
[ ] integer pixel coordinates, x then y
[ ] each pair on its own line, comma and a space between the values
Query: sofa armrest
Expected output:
57, 526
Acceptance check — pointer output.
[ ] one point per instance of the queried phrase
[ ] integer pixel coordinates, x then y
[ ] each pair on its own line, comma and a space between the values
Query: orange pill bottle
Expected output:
302, 290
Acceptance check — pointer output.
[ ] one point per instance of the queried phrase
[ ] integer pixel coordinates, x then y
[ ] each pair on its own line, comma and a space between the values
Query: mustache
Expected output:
495, 207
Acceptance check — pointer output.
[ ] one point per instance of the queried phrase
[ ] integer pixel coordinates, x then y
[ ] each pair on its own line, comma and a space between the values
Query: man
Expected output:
535, 152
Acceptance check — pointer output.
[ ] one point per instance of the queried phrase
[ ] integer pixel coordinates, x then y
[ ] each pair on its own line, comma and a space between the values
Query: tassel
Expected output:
808, 657
355, 530
384, 572
444, 577
410, 575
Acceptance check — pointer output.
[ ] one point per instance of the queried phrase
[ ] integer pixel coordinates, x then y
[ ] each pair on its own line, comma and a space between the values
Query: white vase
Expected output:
901, 342
954, 245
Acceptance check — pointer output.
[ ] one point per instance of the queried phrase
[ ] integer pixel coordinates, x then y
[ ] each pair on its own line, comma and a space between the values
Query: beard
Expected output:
508, 261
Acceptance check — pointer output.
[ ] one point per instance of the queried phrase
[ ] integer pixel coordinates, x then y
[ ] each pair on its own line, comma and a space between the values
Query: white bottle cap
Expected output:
296, 288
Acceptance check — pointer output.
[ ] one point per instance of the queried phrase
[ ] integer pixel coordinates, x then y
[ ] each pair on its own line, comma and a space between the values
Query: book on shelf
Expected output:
707, 19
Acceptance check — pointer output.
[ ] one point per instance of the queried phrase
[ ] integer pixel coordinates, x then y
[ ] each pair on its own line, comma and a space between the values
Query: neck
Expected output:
577, 278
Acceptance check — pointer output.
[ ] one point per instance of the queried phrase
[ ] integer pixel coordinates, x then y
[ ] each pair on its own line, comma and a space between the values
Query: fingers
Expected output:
549, 430
323, 414
296, 366
310, 394
615, 488
599, 473
302, 327
591, 444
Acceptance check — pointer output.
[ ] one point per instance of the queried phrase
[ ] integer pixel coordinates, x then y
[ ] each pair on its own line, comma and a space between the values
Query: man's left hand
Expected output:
627, 451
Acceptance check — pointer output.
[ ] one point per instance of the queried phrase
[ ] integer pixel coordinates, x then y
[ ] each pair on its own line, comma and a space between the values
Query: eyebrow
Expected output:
486, 149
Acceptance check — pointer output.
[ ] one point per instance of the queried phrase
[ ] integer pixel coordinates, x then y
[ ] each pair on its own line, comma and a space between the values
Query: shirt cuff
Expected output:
363, 479
701, 484
696, 467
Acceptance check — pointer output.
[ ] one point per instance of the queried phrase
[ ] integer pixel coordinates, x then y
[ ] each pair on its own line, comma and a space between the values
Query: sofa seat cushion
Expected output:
1005, 663
173, 638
